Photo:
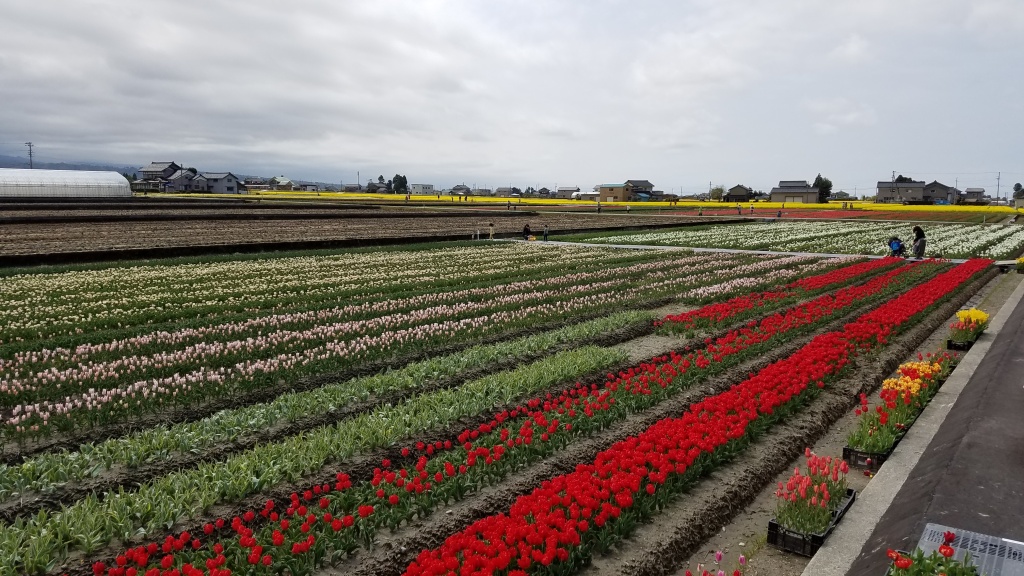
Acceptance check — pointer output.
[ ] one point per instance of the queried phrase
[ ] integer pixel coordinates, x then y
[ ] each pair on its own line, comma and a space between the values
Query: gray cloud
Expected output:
514, 91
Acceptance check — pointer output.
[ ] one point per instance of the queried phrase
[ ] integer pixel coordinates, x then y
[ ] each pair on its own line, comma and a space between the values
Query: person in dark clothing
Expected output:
919, 242
526, 232
545, 232
896, 247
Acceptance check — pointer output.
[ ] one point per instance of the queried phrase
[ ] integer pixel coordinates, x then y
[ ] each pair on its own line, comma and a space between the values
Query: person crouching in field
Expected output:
919, 242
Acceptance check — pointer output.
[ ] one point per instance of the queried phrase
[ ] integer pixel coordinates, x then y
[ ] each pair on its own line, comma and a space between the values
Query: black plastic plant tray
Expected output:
959, 346
807, 544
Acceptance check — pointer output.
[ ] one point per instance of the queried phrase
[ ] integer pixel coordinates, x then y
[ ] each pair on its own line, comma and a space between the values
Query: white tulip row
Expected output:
56, 304
947, 240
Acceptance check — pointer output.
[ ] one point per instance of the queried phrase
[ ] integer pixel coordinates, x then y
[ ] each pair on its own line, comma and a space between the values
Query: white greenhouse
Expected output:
16, 183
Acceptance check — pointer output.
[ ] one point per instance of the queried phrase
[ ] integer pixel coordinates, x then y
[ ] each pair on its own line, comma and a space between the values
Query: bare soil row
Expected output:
74, 242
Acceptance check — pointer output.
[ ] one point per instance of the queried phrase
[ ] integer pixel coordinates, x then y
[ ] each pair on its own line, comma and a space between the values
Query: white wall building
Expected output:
423, 189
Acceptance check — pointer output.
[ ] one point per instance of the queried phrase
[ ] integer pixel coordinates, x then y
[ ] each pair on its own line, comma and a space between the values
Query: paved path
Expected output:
961, 465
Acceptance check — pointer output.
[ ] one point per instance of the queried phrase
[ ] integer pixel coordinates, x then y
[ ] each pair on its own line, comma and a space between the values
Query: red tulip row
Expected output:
575, 512
715, 313
845, 274
324, 520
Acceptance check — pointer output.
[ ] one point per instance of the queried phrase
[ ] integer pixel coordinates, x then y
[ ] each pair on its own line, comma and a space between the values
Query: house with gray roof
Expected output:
889, 192
974, 196
794, 192
738, 193
222, 183
159, 170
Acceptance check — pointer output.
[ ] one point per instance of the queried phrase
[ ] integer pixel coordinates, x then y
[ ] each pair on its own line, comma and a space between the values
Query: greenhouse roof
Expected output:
18, 183
22, 177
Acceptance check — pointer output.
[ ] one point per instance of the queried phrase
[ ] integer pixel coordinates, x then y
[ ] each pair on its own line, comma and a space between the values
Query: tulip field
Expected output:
997, 241
362, 412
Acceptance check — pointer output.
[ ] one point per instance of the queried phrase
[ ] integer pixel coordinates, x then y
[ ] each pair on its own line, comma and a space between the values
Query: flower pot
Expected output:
858, 458
959, 346
808, 544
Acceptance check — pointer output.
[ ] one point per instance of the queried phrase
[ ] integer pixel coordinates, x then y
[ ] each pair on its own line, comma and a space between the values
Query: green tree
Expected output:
516, 190
901, 179
824, 186
401, 184
717, 193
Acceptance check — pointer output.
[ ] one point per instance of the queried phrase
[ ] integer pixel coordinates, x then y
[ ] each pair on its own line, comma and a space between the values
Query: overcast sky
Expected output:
527, 93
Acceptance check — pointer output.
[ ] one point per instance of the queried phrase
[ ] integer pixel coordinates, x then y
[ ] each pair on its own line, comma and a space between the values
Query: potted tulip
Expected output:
940, 561
810, 504
902, 399
1020, 265
965, 331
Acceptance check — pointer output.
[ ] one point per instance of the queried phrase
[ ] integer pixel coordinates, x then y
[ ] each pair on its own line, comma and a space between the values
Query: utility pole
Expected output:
998, 176
30, 164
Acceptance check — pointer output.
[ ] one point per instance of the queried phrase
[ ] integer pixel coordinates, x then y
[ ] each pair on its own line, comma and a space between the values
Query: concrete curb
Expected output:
851, 535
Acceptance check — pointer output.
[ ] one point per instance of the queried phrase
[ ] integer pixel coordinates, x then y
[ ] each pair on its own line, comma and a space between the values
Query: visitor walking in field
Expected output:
545, 232
919, 242
490, 231
526, 232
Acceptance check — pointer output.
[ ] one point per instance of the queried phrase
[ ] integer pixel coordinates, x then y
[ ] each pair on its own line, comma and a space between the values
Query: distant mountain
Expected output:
22, 162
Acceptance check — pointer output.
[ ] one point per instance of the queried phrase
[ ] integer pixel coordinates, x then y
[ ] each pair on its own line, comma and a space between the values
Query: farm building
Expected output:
17, 183
738, 193
795, 192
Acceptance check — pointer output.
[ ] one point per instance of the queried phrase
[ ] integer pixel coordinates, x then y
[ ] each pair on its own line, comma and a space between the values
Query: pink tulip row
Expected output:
81, 353
147, 394
763, 274
95, 374
67, 301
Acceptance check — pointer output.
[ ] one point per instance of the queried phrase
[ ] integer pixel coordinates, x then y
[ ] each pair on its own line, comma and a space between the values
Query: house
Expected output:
154, 177
255, 184
640, 187
738, 193
503, 191
888, 191
938, 193
423, 189
460, 190
630, 190
613, 192
159, 170
184, 181
280, 183
594, 195
222, 182
310, 187
347, 187
566, 192
483, 192
795, 192
973, 196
